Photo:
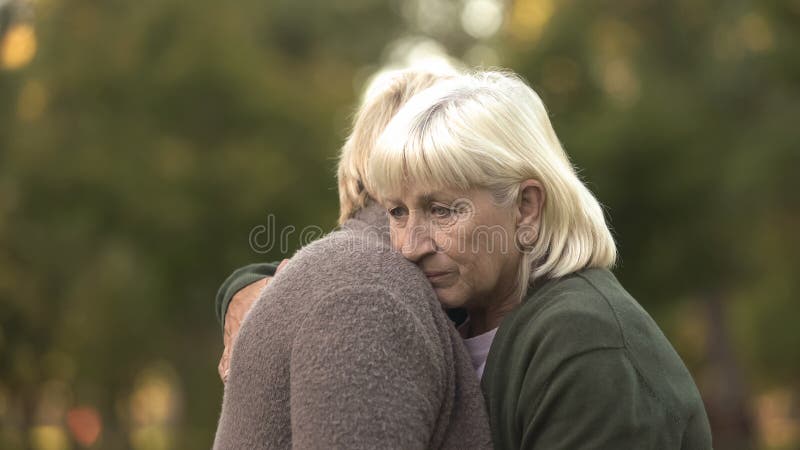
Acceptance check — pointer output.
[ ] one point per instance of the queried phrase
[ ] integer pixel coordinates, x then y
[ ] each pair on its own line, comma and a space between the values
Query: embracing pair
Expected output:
456, 198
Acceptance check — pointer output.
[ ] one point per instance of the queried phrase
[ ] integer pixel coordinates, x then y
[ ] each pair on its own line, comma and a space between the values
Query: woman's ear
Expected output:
530, 206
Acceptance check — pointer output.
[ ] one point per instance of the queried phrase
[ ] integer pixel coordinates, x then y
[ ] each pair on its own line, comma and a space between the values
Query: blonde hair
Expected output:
490, 130
383, 98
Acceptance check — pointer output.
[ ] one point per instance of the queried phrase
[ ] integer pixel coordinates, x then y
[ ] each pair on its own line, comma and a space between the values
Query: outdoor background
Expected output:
142, 141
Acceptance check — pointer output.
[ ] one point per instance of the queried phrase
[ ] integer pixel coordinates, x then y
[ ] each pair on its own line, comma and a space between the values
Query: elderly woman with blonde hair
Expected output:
484, 200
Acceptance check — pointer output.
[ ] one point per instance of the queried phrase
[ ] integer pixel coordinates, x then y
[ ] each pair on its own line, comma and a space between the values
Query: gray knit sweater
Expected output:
349, 348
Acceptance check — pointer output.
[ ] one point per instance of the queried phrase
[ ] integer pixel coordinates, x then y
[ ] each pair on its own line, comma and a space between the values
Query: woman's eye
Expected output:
397, 212
442, 212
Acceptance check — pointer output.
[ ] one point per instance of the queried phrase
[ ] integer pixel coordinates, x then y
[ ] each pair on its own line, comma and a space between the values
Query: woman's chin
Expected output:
448, 298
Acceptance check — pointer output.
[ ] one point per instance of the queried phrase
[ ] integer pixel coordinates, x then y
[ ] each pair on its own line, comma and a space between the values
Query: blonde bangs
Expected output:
422, 151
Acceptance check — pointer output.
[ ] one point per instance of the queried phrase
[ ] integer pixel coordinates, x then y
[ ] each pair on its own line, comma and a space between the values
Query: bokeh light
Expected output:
17, 47
153, 406
528, 19
49, 437
85, 424
756, 33
482, 18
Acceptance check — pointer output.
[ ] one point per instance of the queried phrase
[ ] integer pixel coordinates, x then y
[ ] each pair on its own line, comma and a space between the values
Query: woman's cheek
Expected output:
444, 241
395, 236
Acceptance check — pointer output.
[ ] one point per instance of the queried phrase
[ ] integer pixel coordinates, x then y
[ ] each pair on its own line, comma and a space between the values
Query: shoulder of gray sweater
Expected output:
373, 215
352, 256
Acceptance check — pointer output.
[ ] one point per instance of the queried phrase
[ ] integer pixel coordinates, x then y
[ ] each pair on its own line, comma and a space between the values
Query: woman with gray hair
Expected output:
484, 200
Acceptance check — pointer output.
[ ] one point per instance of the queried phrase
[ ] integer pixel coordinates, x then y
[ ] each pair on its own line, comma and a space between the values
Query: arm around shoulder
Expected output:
240, 278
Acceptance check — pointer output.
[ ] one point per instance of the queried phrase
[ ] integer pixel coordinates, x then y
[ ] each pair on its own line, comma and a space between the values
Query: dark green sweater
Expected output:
580, 365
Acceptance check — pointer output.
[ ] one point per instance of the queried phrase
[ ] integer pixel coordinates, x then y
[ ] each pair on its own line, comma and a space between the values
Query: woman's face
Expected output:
462, 241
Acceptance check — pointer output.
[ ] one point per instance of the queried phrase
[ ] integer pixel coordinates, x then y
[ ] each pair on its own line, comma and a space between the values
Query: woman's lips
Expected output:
436, 276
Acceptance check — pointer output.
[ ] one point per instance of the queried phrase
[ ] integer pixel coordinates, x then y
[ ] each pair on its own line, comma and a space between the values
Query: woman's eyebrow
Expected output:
424, 198
430, 197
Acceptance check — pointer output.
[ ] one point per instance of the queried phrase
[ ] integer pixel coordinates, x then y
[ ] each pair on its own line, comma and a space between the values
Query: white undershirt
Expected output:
478, 347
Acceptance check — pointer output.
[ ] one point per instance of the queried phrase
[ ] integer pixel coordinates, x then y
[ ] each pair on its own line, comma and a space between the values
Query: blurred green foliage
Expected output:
145, 140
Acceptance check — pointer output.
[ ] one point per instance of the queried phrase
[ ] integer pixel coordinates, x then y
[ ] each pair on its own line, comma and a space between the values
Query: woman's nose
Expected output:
416, 241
